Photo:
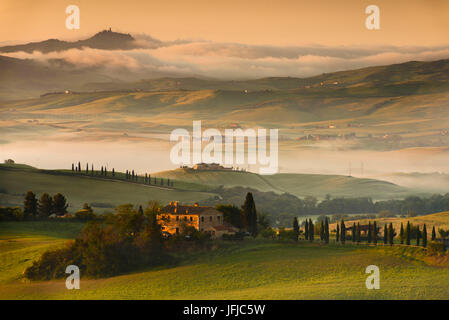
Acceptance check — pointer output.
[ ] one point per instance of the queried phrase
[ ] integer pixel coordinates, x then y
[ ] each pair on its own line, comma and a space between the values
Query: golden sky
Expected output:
274, 22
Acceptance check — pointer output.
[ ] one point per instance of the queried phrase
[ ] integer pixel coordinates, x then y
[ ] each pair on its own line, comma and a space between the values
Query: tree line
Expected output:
129, 175
33, 208
370, 234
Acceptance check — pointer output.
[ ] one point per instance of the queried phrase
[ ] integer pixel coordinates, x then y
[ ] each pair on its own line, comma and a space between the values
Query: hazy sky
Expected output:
280, 22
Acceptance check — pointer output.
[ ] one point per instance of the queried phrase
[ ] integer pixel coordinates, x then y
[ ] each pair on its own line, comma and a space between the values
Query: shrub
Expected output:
268, 233
85, 215
236, 236
11, 214
435, 247
52, 264
286, 234
128, 241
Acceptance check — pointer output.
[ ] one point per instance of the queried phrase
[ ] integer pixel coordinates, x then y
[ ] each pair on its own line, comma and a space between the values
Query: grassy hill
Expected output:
247, 270
100, 193
300, 185
216, 178
414, 72
190, 186
411, 118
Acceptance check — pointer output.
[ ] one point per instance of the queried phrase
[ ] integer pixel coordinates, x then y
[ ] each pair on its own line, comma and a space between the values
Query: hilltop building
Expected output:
174, 217
210, 166
9, 161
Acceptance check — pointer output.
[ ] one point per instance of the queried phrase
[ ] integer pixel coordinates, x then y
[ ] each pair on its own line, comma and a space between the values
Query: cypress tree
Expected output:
408, 235
87, 168
385, 234
45, 207
59, 204
322, 231
113, 172
73, 167
306, 230
326, 231
92, 169
343, 232
434, 235
101, 172
250, 214
369, 232
401, 234
79, 166
132, 175
295, 229
375, 232
105, 171
424, 236
358, 232
338, 233
30, 205
418, 235
149, 179
311, 231
390, 234
354, 233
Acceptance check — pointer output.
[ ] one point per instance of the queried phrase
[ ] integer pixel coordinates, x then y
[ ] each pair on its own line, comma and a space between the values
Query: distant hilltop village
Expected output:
211, 166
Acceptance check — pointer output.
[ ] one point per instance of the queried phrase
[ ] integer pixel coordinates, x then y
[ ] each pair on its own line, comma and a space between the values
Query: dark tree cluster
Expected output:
36, 209
45, 206
246, 217
127, 240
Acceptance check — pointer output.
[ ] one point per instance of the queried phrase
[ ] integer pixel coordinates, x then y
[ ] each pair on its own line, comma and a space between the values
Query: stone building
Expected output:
174, 217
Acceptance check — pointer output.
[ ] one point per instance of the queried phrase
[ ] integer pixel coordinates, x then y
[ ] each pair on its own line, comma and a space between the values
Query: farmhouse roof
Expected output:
174, 208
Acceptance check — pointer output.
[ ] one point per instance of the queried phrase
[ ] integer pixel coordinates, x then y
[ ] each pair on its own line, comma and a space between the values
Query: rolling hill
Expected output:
300, 185
189, 187
106, 40
101, 194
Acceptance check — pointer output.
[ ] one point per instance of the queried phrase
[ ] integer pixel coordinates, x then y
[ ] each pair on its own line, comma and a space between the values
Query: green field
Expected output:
250, 270
23, 242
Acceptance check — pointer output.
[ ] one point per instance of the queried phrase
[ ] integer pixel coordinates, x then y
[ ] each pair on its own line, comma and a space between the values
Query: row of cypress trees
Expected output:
372, 233
309, 230
103, 170
130, 175
388, 234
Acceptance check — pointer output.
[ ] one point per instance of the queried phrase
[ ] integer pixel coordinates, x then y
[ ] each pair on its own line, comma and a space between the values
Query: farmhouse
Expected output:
174, 217
210, 166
